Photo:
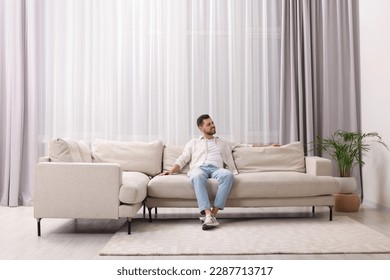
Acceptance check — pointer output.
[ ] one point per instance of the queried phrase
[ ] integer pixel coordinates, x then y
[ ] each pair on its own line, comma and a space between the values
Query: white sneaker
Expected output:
209, 222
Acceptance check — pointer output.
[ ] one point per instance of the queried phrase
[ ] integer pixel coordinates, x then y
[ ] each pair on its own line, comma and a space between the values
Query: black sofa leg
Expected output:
39, 226
128, 226
313, 209
330, 213
150, 214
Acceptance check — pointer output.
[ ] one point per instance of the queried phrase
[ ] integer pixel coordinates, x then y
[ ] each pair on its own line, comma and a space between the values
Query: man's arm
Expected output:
186, 155
181, 161
275, 145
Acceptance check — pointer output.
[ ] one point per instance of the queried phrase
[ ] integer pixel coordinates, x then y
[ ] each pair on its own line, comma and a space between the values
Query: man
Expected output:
209, 157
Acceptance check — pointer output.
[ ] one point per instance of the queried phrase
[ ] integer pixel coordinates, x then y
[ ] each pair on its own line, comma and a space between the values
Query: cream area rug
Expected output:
171, 237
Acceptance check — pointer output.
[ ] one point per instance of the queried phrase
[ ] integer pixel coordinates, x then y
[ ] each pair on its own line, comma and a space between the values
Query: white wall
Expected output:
375, 90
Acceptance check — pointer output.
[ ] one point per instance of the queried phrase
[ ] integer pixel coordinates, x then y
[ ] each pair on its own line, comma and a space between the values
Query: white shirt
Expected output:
213, 156
195, 153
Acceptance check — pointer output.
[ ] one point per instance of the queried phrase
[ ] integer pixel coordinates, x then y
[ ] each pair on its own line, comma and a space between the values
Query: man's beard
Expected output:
211, 132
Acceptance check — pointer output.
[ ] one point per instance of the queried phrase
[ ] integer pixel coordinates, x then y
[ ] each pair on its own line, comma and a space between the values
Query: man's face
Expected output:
208, 127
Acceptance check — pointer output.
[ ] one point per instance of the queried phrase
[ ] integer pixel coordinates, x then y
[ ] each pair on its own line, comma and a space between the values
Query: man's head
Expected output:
206, 126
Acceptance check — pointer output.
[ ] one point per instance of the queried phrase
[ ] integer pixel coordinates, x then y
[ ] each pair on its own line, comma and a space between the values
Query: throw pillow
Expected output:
65, 150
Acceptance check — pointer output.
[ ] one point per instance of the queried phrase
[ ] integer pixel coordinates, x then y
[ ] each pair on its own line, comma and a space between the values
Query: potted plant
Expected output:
348, 149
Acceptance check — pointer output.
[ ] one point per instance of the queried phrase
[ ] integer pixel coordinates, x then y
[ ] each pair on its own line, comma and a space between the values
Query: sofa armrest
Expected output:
318, 166
77, 190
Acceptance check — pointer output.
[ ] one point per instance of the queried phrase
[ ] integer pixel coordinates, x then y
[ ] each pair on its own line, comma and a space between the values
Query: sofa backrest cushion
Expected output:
289, 157
171, 153
65, 150
145, 157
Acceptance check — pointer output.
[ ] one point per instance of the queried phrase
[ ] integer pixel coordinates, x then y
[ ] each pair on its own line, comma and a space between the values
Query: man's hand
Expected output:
175, 169
165, 173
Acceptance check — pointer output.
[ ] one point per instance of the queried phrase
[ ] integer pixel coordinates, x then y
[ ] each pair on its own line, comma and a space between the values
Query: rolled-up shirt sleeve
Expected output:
185, 157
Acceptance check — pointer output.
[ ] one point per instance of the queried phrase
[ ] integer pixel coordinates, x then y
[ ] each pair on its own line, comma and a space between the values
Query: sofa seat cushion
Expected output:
177, 186
248, 185
133, 189
282, 184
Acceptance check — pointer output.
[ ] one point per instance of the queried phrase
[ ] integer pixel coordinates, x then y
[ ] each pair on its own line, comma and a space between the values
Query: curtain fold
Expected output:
17, 107
319, 69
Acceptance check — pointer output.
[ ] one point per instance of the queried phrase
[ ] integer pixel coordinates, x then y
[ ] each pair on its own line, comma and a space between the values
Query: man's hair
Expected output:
200, 119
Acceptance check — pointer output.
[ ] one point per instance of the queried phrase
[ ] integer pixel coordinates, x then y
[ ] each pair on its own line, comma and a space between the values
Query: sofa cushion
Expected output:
289, 157
248, 185
133, 189
145, 157
65, 150
171, 153
282, 184
177, 186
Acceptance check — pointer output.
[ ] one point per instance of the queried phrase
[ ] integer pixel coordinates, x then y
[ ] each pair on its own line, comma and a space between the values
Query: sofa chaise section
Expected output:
77, 182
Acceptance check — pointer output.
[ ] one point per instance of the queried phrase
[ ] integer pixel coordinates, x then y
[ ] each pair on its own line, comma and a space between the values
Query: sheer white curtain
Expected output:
141, 70
132, 70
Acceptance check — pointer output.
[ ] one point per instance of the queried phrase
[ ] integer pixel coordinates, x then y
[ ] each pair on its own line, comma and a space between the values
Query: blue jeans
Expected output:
199, 176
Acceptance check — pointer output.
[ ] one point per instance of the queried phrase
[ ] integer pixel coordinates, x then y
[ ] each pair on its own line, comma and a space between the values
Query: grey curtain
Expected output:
319, 89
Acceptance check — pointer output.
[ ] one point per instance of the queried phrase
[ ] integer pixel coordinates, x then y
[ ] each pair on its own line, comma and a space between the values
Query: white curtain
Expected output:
141, 70
132, 70
18, 103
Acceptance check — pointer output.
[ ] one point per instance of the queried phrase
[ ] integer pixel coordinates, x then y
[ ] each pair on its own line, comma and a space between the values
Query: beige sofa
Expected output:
113, 179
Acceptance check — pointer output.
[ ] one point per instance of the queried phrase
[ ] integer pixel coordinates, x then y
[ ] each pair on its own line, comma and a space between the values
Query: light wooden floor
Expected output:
69, 239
